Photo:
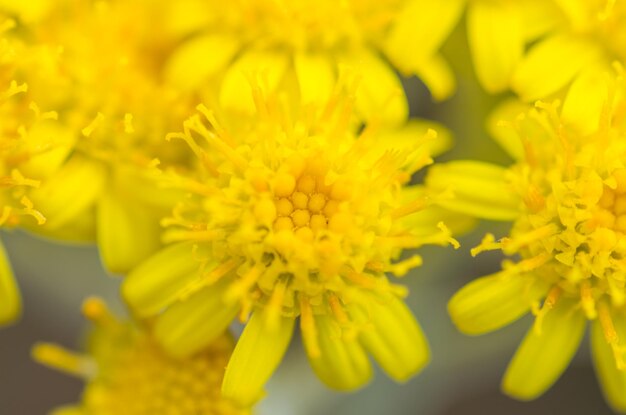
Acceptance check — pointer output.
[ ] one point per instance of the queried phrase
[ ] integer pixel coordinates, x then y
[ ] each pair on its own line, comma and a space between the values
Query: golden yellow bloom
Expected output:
583, 34
99, 64
566, 196
294, 214
302, 43
127, 373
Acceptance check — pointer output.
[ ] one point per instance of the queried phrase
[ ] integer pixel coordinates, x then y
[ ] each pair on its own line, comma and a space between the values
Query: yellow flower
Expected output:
127, 373
584, 34
566, 196
23, 142
100, 64
294, 214
302, 43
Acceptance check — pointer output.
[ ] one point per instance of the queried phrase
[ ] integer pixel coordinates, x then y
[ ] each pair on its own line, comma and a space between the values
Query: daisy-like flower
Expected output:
566, 196
99, 63
295, 215
127, 373
303, 42
583, 34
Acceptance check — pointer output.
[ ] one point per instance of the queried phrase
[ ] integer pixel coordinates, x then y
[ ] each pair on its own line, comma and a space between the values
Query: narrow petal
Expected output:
193, 323
379, 95
425, 23
585, 101
10, 299
127, 232
496, 42
342, 363
257, 354
236, 91
70, 192
491, 302
550, 65
394, 338
612, 380
200, 58
501, 126
478, 189
316, 76
438, 77
155, 283
545, 352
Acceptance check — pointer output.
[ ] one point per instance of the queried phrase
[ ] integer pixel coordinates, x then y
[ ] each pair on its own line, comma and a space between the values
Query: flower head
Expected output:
566, 196
294, 214
100, 65
302, 43
127, 373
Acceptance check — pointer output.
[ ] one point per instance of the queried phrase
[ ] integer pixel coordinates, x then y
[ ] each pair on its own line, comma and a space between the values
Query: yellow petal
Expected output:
155, 283
252, 66
425, 23
128, 232
80, 230
194, 322
545, 352
199, 58
316, 76
478, 189
257, 354
379, 95
393, 337
550, 65
501, 125
70, 192
342, 363
538, 17
496, 41
612, 380
491, 302
57, 142
28, 11
585, 101
10, 299
438, 77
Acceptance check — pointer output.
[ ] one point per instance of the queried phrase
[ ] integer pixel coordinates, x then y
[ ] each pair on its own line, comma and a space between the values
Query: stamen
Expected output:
548, 304
64, 360
610, 334
307, 325
87, 131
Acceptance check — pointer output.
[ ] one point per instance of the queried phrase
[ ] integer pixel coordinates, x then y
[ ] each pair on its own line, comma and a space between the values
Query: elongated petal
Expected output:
394, 338
612, 380
199, 58
437, 75
10, 299
127, 232
425, 23
501, 126
496, 41
155, 283
236, 92
585, 101
70, 192
478, 189
550, 65
379, 95
545, 352
257, 354
193, 323
491, 302
342, 363
316, 76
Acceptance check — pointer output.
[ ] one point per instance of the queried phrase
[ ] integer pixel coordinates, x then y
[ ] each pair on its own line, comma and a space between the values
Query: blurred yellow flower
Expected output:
583, 35
99, 64
295, 214
302, 43
566, 196
127, 373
